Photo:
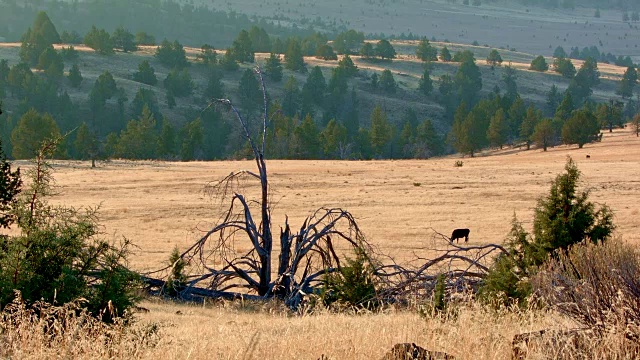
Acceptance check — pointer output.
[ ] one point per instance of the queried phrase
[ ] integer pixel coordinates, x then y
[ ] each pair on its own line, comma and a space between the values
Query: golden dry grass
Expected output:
158, 204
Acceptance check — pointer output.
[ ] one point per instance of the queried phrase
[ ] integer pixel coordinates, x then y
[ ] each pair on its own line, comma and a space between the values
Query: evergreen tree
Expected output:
445, 54
468, 80
566, 217
498, 131
494, 58
260, 40
144, 39
581, 128
516, 115
427, 142
228, 63
291, 97
273, 68
375, 82
293, 58
559, 53
99, 40
380, 133
215, 87
564, 67
86, 144
52, 64
39, 37
628, 82
124, 40
179, 82
387, 82
553, 99
566, 107
425, 85
242, 48
103, 89
138, 141
385, 50
349, 41
528, 125
250, 92
31, 131
539, 64
145, 98
172, 55
426, 52
208, 55
167, 140
192, 136
509, 78
307, 139
333, 138
315, 86
635, 124
581, 86
543, 134
350, 69
146, 74
325, 52
367, 51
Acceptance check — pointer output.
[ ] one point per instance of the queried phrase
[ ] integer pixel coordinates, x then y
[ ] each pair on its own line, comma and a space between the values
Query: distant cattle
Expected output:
459, 234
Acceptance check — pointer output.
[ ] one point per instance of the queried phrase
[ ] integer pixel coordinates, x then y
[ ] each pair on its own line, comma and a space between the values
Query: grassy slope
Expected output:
407, 71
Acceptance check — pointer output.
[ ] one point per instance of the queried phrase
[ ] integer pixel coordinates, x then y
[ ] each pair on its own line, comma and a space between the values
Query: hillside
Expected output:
407, 71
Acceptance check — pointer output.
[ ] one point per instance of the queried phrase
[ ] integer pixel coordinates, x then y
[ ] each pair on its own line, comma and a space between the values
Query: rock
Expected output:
412, 351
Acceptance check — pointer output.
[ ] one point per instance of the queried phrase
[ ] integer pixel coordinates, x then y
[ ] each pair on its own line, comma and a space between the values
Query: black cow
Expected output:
459, 234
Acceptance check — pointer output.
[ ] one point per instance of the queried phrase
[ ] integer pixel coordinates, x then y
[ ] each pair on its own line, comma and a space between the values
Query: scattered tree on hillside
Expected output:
581, 128
350, 69
293, 58
543, 134
385, 50
99, 40
179, 83
498, 131
291, 97
36, 39
380, 132
387, 82
468, 80
528, 126
31, 132
564, 67
348, 42
628, 82
445, 54
426, 52
86, 145
139, 141
208, 55
494, 58
425, 85
367, 51
249, 90
242, 48
124, 40
146, 74
52, 64
325, 52
539, 64
273, 68
75, 77
172, 54
581, 86
260, 40
144, 39
610, 115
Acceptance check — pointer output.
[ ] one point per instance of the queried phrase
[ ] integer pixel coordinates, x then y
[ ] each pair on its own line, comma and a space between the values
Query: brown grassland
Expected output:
160, 205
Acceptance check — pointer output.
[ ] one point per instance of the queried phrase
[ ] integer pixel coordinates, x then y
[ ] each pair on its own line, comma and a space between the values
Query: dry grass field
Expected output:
158, 205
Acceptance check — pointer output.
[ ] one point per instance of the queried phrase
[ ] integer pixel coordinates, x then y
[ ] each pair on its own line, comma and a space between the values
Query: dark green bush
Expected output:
59, 257
352, 285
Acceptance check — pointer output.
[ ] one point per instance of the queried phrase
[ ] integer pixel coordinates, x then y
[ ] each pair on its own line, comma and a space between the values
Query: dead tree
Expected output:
216, 269
234, 258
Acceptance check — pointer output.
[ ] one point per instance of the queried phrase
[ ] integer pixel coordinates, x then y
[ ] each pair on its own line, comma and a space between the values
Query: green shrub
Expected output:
177, 279
58, 256
352, 285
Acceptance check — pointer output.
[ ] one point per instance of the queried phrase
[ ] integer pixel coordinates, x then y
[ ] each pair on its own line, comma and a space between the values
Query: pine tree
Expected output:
273, 68
543, 134
581, 128
308, 139
31, 131
99, 40
86, 144
445, 54
146, 74
367, 51
293, 58
385, 50
347, 64
468, 80
250, 93
494, 58
628, 82
539, 64
381, 132
387, 82
124, 40
426, 52
291, 97
333, 137
498, 131
10, 188
528, 125
242, 48
425, 85
39, 37
192, 136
